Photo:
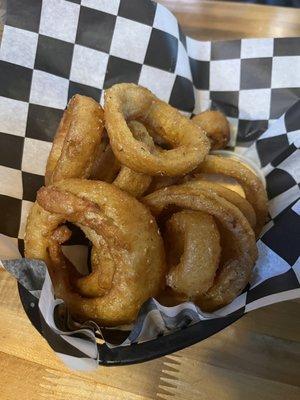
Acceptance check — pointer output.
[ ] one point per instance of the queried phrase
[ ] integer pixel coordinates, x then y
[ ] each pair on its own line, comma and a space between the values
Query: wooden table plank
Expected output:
250, 348
19, 340
40, 382
217, 20
198, 380
250, 351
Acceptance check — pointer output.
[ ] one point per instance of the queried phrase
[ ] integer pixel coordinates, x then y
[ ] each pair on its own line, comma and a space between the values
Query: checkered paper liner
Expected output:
52, 49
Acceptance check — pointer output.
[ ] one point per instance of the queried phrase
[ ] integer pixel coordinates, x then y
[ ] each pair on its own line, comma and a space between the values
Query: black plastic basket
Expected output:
137, 353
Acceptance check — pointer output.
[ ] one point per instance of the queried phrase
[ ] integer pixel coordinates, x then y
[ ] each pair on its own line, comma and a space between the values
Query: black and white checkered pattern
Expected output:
52, 49
252, 80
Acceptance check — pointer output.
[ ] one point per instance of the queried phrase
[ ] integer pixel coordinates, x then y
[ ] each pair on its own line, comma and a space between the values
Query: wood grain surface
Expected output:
258, 357
217, 20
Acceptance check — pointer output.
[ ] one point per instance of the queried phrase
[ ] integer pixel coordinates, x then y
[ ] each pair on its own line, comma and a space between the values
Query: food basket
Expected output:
53, 49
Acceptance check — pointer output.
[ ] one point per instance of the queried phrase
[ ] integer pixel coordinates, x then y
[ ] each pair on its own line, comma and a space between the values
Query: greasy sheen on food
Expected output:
189, 144
242, 204
208, 208
135, 183
193, 251
128, 261
235, 269
76, 142
108, 169
216, 127
254, 190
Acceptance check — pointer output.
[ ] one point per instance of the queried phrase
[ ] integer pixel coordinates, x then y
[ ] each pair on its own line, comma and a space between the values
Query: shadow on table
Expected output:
258, 357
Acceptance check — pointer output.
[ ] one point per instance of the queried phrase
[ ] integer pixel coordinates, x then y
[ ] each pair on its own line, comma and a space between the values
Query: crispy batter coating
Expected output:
232, 276
127, 249
105, 167
135, 183
242, 204
254, 190
108, 169
127, 101
193, 252
225, 181
207, 206
76, 142
216, 127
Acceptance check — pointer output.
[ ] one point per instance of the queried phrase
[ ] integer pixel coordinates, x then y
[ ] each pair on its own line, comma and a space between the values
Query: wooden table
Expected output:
256, 358
217, 20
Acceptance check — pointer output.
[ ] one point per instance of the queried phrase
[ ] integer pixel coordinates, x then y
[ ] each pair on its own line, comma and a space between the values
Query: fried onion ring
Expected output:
76, 141
254, 190
232, 276
128, 250
225, 181
216, 127
108, 169
135, 183
229, 195
193, 254
159, 182
124, 102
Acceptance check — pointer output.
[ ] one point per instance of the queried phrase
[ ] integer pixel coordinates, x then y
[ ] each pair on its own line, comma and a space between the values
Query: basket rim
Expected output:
146, 351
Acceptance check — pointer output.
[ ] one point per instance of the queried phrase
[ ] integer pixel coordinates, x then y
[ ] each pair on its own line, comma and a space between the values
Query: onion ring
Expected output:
159, 182
233, 276
193, 241
105, 167
128, 249
216, 127
242, 204
76, 141
125, 102
108, 169
135, 183
254, 190
225, 181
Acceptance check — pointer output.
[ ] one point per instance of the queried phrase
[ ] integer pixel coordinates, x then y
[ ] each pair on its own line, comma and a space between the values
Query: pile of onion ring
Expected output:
138, 179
